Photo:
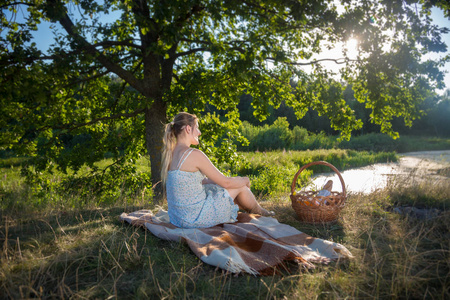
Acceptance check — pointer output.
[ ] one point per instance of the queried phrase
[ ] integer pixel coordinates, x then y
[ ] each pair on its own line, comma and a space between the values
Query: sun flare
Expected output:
352, 48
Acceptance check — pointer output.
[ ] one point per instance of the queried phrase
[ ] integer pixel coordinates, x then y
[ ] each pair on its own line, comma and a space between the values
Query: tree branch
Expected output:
167, 66
68, 25
31, 59
240, 42
194, 10
117, 43
122, 89
15, 3
116, 116
337, 61
232, 48
190, 52
149, 31
86, 79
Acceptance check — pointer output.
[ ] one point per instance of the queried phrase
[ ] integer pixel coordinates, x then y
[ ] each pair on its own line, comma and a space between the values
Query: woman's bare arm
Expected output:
213, 175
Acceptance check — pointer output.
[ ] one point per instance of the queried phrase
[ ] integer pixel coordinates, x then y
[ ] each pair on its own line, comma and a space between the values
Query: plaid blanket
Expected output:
253, 244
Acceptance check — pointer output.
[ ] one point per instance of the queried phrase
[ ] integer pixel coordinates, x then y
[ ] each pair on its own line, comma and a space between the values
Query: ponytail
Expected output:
169, 142
171, 131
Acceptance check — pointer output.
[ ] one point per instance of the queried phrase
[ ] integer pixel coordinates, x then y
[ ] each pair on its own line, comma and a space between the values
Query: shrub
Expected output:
278, 136
262, 138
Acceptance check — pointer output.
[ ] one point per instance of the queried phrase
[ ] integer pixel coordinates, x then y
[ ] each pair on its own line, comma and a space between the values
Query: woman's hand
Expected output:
247, 182
207, 181
242, 180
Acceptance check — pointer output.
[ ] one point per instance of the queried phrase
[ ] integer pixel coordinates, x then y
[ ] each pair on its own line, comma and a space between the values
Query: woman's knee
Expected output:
235, 192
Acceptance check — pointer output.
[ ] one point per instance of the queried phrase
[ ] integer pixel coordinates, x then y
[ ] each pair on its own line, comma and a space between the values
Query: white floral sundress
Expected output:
192, 204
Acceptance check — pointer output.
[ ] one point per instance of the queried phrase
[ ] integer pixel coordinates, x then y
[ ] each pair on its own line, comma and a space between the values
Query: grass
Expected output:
409, 143
90, 254
62, 251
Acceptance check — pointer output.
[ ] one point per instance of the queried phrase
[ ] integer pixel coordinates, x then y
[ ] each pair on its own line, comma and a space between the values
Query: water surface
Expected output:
414, 165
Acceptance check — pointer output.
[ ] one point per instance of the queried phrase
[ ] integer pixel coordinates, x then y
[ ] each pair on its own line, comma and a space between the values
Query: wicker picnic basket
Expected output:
303, 202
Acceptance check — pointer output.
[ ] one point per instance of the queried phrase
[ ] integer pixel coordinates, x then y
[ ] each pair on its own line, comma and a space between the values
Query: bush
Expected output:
278, 136
273, 137
39, 190
272, 180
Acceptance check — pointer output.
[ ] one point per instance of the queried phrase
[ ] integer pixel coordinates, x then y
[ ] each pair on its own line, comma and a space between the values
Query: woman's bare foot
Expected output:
262, 211
268, 213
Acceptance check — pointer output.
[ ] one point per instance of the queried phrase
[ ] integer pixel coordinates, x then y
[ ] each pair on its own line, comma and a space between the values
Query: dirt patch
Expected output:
425, 160
444, 172
417, 213
441, 156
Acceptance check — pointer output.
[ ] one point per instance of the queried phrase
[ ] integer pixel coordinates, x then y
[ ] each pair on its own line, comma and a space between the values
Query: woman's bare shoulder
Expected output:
196, 151
198, 154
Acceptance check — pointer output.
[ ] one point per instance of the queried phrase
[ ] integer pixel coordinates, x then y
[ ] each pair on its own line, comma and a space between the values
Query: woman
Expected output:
196, 201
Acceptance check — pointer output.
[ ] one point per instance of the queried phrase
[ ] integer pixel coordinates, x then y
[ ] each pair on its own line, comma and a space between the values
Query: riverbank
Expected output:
415, 166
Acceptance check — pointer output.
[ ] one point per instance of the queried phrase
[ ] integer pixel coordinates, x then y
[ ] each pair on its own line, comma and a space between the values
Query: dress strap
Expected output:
182, 161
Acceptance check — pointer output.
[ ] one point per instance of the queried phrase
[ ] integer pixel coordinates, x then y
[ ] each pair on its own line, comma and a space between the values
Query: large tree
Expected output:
117, 69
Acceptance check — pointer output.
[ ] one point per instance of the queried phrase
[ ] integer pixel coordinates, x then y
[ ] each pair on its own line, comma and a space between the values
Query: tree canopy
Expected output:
118, 70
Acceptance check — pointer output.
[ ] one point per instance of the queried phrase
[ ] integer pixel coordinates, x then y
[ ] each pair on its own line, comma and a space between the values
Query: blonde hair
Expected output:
171, 132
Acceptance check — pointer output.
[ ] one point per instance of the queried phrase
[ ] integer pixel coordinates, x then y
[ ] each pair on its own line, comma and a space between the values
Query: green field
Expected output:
69, 243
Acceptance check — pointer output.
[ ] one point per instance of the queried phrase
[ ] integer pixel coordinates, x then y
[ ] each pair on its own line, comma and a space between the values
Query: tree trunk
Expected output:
155, 118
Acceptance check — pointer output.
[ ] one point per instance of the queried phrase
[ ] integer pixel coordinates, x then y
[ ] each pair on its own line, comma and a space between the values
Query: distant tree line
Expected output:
434, 119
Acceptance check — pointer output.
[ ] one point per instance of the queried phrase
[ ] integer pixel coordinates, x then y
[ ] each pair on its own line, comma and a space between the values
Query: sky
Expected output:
44, 38
438, 18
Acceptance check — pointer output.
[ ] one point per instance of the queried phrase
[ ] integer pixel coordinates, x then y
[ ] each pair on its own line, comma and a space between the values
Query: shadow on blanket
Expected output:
253, 244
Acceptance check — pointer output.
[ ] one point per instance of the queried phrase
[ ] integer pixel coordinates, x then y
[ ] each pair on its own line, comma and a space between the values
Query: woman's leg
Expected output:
247, 201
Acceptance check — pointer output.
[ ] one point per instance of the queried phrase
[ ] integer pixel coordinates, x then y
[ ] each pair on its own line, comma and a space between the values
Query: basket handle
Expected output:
318, 163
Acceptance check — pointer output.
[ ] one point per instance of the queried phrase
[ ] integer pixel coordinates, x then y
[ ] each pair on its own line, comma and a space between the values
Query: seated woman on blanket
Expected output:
196, 201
